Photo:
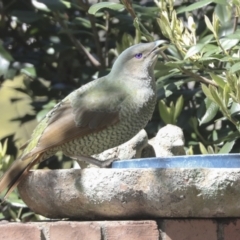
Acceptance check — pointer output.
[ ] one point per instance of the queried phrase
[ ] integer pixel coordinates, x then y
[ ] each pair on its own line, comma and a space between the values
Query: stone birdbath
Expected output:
168, 186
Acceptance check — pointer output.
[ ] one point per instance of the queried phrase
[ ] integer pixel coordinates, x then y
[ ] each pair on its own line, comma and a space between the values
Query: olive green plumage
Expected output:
100, 115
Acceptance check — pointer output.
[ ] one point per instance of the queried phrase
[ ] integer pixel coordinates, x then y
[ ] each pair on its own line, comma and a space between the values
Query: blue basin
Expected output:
187, 161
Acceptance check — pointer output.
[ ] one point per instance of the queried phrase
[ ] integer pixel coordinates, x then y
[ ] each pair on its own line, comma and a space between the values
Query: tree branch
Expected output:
198, 77
128, 5
81, 49
91, 18
191, 74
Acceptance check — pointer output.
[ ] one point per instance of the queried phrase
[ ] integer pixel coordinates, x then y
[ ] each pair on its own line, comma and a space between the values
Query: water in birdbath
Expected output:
186, 161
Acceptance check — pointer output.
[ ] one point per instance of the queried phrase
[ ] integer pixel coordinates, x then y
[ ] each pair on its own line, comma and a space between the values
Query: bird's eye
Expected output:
138, 55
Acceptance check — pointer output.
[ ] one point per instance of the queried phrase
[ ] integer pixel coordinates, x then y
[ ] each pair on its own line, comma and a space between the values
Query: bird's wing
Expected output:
75, 117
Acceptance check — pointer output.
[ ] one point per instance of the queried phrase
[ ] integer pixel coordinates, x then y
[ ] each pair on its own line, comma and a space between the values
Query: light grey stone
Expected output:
169, 141
132, 193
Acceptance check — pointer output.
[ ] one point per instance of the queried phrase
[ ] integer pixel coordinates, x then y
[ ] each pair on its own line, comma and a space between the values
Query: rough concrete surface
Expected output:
133, 193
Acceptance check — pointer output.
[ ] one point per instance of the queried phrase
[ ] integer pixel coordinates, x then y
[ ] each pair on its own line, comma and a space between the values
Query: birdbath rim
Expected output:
186, 161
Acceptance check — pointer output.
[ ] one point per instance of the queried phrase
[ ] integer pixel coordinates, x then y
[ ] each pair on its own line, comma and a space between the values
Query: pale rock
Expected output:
169, 141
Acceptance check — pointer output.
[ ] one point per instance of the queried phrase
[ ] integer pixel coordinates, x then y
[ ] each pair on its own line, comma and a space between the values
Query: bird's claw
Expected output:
108, 163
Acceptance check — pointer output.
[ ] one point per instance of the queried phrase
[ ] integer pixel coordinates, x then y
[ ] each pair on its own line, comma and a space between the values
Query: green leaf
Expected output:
235, 67
216, 96
29, 71
223, 2
216, 23
227, 147
4, 65
194, 50
209, 24
3, 148
210, 150
82, 21
194, 6
209, 50
226, 95
174, 52
235, 35
53, 5
5, 54
165, 25
190, 151
96, 7
203, 150
164, 112
229, 59
228, 43
178, 108
223, 13
215, 135
235, 109
207, 92
217, 79
211, 111
175, 64
206, 39
40, 6
66, 3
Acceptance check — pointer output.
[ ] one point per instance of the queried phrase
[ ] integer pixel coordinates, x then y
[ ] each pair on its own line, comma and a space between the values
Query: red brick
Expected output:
19, 231
188, 230
232, 230
134, 230
74, 231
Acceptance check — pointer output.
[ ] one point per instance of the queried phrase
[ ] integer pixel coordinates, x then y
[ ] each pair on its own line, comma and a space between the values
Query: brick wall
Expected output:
167, 229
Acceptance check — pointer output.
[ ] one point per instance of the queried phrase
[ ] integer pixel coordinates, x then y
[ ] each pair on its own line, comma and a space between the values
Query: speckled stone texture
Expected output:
133, 193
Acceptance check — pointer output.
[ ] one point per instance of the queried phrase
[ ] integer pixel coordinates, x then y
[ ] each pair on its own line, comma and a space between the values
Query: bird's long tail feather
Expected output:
15, 173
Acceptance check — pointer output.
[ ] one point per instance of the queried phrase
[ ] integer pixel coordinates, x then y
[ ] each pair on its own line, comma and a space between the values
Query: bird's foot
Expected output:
108, 162
102, 164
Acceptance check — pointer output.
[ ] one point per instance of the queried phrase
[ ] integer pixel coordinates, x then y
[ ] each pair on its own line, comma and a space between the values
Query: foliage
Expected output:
211, 57
60, 45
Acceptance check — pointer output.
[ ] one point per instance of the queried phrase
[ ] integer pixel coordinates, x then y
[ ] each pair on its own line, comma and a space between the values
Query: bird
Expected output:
99, 115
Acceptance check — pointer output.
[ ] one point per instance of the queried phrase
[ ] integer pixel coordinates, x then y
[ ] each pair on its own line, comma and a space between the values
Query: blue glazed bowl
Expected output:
187, 161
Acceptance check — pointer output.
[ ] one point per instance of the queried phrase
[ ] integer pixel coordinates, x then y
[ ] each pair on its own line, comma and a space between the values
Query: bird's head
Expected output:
138, 60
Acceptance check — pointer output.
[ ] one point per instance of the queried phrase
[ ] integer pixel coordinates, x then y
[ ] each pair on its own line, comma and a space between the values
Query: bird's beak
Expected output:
156, 49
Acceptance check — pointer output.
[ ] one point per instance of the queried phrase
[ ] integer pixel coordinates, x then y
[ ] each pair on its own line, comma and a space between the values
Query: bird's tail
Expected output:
15, 173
